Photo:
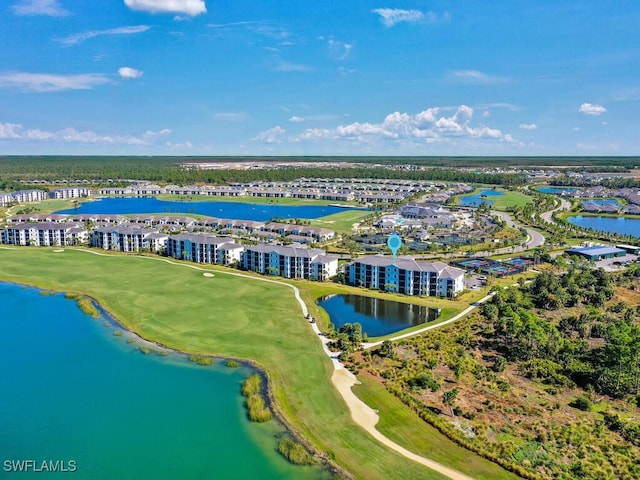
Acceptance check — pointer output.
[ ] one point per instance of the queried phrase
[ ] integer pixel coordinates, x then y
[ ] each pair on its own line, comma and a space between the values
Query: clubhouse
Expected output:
406, 275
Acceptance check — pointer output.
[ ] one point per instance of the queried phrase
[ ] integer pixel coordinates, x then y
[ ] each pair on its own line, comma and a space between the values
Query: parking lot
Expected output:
616, 264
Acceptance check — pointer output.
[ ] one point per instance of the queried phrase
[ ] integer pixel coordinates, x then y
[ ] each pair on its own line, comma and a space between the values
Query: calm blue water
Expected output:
608, 201
476, 199
558, 190
239, 211
70, 390
625, 226
377, 317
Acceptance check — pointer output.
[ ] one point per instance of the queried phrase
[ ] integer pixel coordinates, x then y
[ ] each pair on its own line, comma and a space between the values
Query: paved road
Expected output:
548, 216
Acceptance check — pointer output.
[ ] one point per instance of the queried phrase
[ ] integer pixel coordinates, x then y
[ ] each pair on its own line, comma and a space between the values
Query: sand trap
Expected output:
208, 275
60, 250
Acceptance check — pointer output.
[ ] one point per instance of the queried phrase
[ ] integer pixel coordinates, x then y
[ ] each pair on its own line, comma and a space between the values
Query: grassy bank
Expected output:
224, 316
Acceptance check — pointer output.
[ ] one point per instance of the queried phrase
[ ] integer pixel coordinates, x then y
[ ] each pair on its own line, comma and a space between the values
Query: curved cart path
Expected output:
342, 379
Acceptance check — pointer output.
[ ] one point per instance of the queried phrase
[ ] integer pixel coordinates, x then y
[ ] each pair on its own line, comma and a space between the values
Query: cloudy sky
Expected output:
349, 77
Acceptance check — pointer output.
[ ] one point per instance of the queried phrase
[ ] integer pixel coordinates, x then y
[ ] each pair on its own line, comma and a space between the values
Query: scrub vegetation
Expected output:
544, 380
294, 452
252, 390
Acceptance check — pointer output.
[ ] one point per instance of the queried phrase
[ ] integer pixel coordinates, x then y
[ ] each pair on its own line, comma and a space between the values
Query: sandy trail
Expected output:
367, 418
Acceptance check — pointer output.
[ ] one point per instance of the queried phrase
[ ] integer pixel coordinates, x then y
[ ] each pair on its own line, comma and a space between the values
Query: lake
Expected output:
558, 190
234, 210
378, 317
476, 199
71, 390
621, 225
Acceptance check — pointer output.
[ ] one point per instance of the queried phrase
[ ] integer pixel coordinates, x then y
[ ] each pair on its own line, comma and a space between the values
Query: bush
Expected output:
294, 452
201, 360
582, 403
251, 385
86, 305
232, 364
257, 410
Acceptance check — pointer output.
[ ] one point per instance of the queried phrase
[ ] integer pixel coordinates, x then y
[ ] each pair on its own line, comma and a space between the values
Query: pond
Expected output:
378, 317
621, 225
234, 210
558, 190
476, 199
70, 390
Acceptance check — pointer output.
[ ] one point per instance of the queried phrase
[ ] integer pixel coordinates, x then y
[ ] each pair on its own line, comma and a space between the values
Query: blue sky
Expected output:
349, 77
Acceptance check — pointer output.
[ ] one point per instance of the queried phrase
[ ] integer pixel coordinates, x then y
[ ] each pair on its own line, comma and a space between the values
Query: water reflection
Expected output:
378, 317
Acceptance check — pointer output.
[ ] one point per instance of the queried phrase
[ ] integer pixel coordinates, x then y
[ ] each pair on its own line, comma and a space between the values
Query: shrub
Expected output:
86, 305
582, 403
201, 360
232, 364
294, 452
257, 410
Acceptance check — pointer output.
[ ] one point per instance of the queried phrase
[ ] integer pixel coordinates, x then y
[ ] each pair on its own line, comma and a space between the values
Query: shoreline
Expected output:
351, 400
324, 462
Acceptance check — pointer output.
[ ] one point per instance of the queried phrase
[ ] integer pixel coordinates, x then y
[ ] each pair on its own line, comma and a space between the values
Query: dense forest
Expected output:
544, 380
171, 170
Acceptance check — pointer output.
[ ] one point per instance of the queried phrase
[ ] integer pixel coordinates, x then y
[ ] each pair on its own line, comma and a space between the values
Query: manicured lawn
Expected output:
504, 201
341, 222
510, 199
403, 426
227, 316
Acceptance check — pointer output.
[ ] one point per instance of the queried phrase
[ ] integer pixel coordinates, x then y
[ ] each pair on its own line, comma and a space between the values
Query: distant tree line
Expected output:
171, 170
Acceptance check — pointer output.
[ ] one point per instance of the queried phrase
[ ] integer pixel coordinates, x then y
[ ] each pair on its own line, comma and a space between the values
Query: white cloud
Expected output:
338, 49
128, 72
51, 8
591, 109
273, 135
296, 119
392, 16
284, 66
528, 126
432, 125
81, 37
186, 7
474, 76
48, 82
16, 132
230, 116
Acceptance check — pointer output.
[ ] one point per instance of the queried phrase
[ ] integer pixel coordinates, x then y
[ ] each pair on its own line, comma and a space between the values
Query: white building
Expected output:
71, 192
45, 234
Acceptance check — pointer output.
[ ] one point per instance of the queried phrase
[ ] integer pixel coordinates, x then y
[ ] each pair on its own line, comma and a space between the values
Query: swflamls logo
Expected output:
63, 466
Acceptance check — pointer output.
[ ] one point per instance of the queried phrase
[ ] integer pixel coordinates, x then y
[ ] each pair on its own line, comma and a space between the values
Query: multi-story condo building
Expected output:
316, 234
289, 262
203, 248
128, 239
406, 275
71, 192
23, 196
45, 234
